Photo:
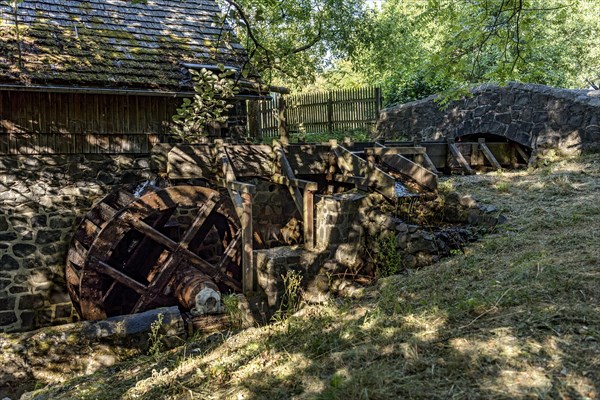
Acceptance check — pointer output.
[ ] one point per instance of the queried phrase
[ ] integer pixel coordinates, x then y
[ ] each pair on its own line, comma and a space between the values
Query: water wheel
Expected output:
131, 254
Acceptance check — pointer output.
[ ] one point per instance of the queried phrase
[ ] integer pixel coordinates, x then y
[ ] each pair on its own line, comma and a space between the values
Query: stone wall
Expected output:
350, 230
42, 198
536, 116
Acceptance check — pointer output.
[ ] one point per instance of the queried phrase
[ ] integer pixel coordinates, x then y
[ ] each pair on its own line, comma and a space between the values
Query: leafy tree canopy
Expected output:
415, 48
289, 40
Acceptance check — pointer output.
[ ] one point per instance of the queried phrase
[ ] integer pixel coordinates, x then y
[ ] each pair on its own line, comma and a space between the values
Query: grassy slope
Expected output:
516, 316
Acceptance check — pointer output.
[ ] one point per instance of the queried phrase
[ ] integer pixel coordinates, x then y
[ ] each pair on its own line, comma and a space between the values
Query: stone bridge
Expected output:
536, 116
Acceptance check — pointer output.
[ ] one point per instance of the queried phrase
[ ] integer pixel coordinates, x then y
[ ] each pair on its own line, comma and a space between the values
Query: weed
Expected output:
291, 281
155, 338
231, 303
502, 187
389, 259
446, 186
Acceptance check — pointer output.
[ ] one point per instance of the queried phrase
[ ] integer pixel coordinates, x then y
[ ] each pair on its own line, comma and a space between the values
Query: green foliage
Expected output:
292, 281
231, 303
289, 40
415, 49
209, 106
389, 259
155, 338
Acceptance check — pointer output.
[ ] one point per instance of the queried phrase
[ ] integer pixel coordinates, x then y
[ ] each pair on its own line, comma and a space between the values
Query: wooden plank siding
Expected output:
323, 112
72, 123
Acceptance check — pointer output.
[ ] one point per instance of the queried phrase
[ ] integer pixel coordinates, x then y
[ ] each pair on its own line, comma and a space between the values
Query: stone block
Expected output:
7, 318
27, 320
7, 303
8, 263
30, 302
8, 236
3, 223
23, 250
63, 311
348, 254
47, 236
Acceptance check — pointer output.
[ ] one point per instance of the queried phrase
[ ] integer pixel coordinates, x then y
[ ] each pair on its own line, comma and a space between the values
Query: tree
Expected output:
289, 40
414, 49
209, 106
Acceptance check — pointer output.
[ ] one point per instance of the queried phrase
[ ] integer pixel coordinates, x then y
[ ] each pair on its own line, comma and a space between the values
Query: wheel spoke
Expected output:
118, 276
200, 219
230, 251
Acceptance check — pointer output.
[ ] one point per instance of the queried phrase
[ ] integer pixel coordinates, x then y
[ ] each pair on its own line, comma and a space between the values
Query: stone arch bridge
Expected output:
538, 117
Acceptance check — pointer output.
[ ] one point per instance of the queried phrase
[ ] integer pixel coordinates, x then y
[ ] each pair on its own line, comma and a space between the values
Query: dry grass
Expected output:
516, 316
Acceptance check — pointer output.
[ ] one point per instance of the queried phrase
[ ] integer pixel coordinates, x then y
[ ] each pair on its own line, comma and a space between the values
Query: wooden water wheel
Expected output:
132, 254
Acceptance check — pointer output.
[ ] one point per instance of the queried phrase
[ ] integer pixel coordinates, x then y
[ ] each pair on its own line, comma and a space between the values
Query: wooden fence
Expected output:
322, 112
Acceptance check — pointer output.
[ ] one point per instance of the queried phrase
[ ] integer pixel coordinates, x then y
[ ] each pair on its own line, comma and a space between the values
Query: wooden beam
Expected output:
521, 152
229, 252
286, 171
309, 217
460, 158
488, 154
427, 163
380, 150
248, 272
241, 187
282, 121
355, 166
417, 173
118, 276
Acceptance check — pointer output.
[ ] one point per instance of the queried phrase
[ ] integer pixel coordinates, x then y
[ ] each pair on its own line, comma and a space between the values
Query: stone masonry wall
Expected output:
536, 116
350, 228
42, 198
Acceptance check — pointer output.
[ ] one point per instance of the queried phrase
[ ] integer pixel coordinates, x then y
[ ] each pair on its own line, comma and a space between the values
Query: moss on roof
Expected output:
112, 43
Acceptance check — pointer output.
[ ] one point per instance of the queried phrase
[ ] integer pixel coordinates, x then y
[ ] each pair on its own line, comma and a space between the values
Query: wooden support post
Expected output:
248, 274
304, 202
419, 159
241, 195
476, 156
488, 154
521, 152
309, 218
427, 163
282, 121
459, 157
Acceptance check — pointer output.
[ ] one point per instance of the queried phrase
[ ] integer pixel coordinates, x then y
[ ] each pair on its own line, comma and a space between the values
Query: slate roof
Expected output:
112, 43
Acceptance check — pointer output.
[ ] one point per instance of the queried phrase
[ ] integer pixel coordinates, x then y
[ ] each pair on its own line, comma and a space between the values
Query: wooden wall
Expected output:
67, 123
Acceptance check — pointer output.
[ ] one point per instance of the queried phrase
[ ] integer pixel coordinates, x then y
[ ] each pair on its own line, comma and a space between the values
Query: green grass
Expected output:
516, 316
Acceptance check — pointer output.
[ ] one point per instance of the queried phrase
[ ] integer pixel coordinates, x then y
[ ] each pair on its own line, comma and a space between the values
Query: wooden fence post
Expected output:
378, 102
282, 121
329, 113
